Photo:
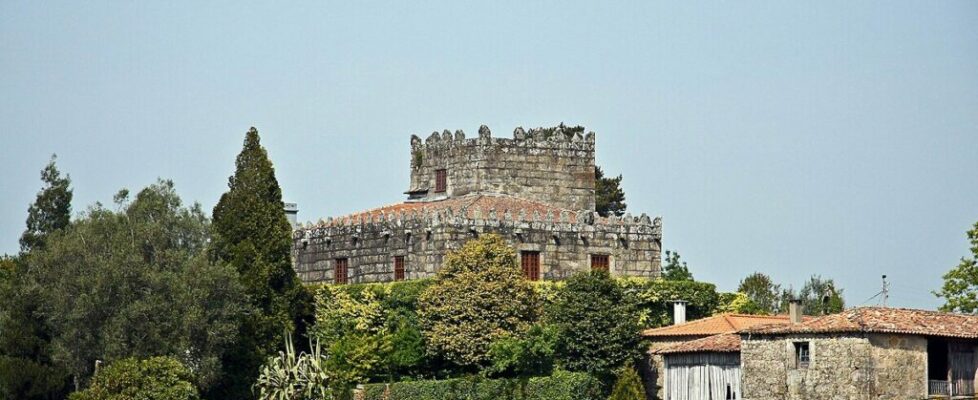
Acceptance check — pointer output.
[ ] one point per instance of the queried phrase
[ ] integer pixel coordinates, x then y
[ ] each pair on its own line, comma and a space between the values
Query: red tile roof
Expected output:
882, 320
723, 323
722, 343
484, 202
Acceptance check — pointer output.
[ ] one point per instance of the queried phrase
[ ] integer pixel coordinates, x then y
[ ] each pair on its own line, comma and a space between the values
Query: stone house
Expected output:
698, 360
536, 190
863, 353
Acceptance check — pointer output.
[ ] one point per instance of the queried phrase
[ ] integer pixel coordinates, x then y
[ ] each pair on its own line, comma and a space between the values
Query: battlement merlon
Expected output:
551, 165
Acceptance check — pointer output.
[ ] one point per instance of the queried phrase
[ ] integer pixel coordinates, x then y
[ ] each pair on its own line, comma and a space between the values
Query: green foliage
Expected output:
820, 297
561, 385
960, 290
763, 292
675, 269
628, 386
737, 303
253, 236
156, 378
609, 198
51, 210
479, 297
532, 355
135, 283
654, 298
295, 376
597, 324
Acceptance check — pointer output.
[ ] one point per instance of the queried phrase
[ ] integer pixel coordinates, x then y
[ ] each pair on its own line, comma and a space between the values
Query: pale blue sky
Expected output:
837, 138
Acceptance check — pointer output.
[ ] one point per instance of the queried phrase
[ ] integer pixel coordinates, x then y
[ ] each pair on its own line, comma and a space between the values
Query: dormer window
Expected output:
441, 180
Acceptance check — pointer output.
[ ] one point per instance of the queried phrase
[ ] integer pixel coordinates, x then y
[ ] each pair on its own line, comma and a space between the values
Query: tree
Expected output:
136, 283
820, 297
628, 387
597, 325
675, 269
253, 236
479, 297
51, 210
609, 198
156, 378
532, 355
960, 290
762, 291
737, 303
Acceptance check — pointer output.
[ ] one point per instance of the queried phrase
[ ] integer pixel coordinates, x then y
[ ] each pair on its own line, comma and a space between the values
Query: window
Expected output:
802, 355
530, 260
398, 268
340, 272
441, 180
599, 262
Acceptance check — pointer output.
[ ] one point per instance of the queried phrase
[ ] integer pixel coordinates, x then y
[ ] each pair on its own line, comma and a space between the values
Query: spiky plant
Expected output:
291, 376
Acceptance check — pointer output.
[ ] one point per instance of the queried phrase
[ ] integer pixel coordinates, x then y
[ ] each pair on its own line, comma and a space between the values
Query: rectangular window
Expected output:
599, 262
398, 268
441, 180
802, 355
530, 261
341, 271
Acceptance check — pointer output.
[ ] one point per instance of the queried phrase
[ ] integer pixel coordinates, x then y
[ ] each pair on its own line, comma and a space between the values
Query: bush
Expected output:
561, 385
294, 376
529, 356
653, 297
157, 378
597, 325
479, 297
628, 387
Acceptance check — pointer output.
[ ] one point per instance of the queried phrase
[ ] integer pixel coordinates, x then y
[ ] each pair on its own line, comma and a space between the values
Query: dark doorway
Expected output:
937, 360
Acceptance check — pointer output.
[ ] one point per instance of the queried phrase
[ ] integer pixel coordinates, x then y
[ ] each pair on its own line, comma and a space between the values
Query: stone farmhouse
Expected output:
535, 189
863, 353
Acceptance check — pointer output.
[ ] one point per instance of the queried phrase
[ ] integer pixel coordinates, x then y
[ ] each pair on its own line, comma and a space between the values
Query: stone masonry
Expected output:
536, 190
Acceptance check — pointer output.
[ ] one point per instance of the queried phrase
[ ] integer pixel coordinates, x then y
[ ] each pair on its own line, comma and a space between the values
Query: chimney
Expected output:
291, 212
795, 310
678, 312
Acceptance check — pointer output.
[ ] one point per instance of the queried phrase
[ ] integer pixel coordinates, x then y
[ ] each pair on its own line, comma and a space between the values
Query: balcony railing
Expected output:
950, 389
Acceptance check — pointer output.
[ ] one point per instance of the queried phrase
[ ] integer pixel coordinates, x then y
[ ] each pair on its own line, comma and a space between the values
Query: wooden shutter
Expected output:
441, 180
398, 268
599, 262
530, 261
341, 270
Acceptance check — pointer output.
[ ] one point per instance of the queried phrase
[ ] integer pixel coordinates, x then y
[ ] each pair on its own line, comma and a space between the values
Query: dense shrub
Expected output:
597, 325
479, 297
532, 355
628, 386
654, 297
561, 385
294, 376
157, 378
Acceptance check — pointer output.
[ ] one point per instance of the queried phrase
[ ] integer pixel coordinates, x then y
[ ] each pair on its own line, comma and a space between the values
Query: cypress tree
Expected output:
51, 210
251, 233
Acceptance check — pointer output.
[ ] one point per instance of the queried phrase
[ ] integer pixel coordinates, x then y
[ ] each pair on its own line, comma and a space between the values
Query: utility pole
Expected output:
886, 291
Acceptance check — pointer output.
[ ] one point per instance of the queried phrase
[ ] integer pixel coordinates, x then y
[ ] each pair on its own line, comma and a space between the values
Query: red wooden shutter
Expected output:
340, 272
599, 262
398, 268
530, 261
441, 180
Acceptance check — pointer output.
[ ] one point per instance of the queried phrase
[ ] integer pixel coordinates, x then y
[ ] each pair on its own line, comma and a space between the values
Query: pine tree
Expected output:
609, 198
251, 233
51, 211
628, 386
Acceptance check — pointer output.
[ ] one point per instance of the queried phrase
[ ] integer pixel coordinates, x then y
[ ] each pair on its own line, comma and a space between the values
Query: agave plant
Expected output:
291, 376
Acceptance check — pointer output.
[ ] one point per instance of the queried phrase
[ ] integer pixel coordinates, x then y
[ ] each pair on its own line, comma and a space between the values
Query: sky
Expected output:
835, 138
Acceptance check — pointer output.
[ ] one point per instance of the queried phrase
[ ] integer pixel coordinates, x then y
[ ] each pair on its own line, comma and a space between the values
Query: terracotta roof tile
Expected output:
723, 323
882, 320
722, 343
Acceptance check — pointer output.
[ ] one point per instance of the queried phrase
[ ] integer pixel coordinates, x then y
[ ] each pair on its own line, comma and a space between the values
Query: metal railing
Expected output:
950, 389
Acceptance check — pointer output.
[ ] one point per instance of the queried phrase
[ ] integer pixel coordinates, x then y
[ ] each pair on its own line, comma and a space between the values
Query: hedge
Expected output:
561, 385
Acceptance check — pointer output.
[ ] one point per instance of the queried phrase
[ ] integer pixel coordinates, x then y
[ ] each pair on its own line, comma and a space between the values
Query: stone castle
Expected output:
536, 190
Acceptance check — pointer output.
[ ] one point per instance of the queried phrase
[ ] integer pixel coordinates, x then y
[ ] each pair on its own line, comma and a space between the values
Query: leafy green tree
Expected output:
597, 324
762, 291
609, 198
960, 290
675, 268
156, 378
136, 283
628, 387
821, 297
532, 355
737, 303
253, 236
479, 297
51, 210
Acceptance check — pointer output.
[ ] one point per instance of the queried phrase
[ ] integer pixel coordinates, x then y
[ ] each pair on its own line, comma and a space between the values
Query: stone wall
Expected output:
852, 367
633, 243
546, 165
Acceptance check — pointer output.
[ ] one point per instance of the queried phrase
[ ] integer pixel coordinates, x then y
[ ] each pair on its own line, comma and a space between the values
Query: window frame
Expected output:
341, 271
596, 266
530, 264
803, 354
398, 268
441, 180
